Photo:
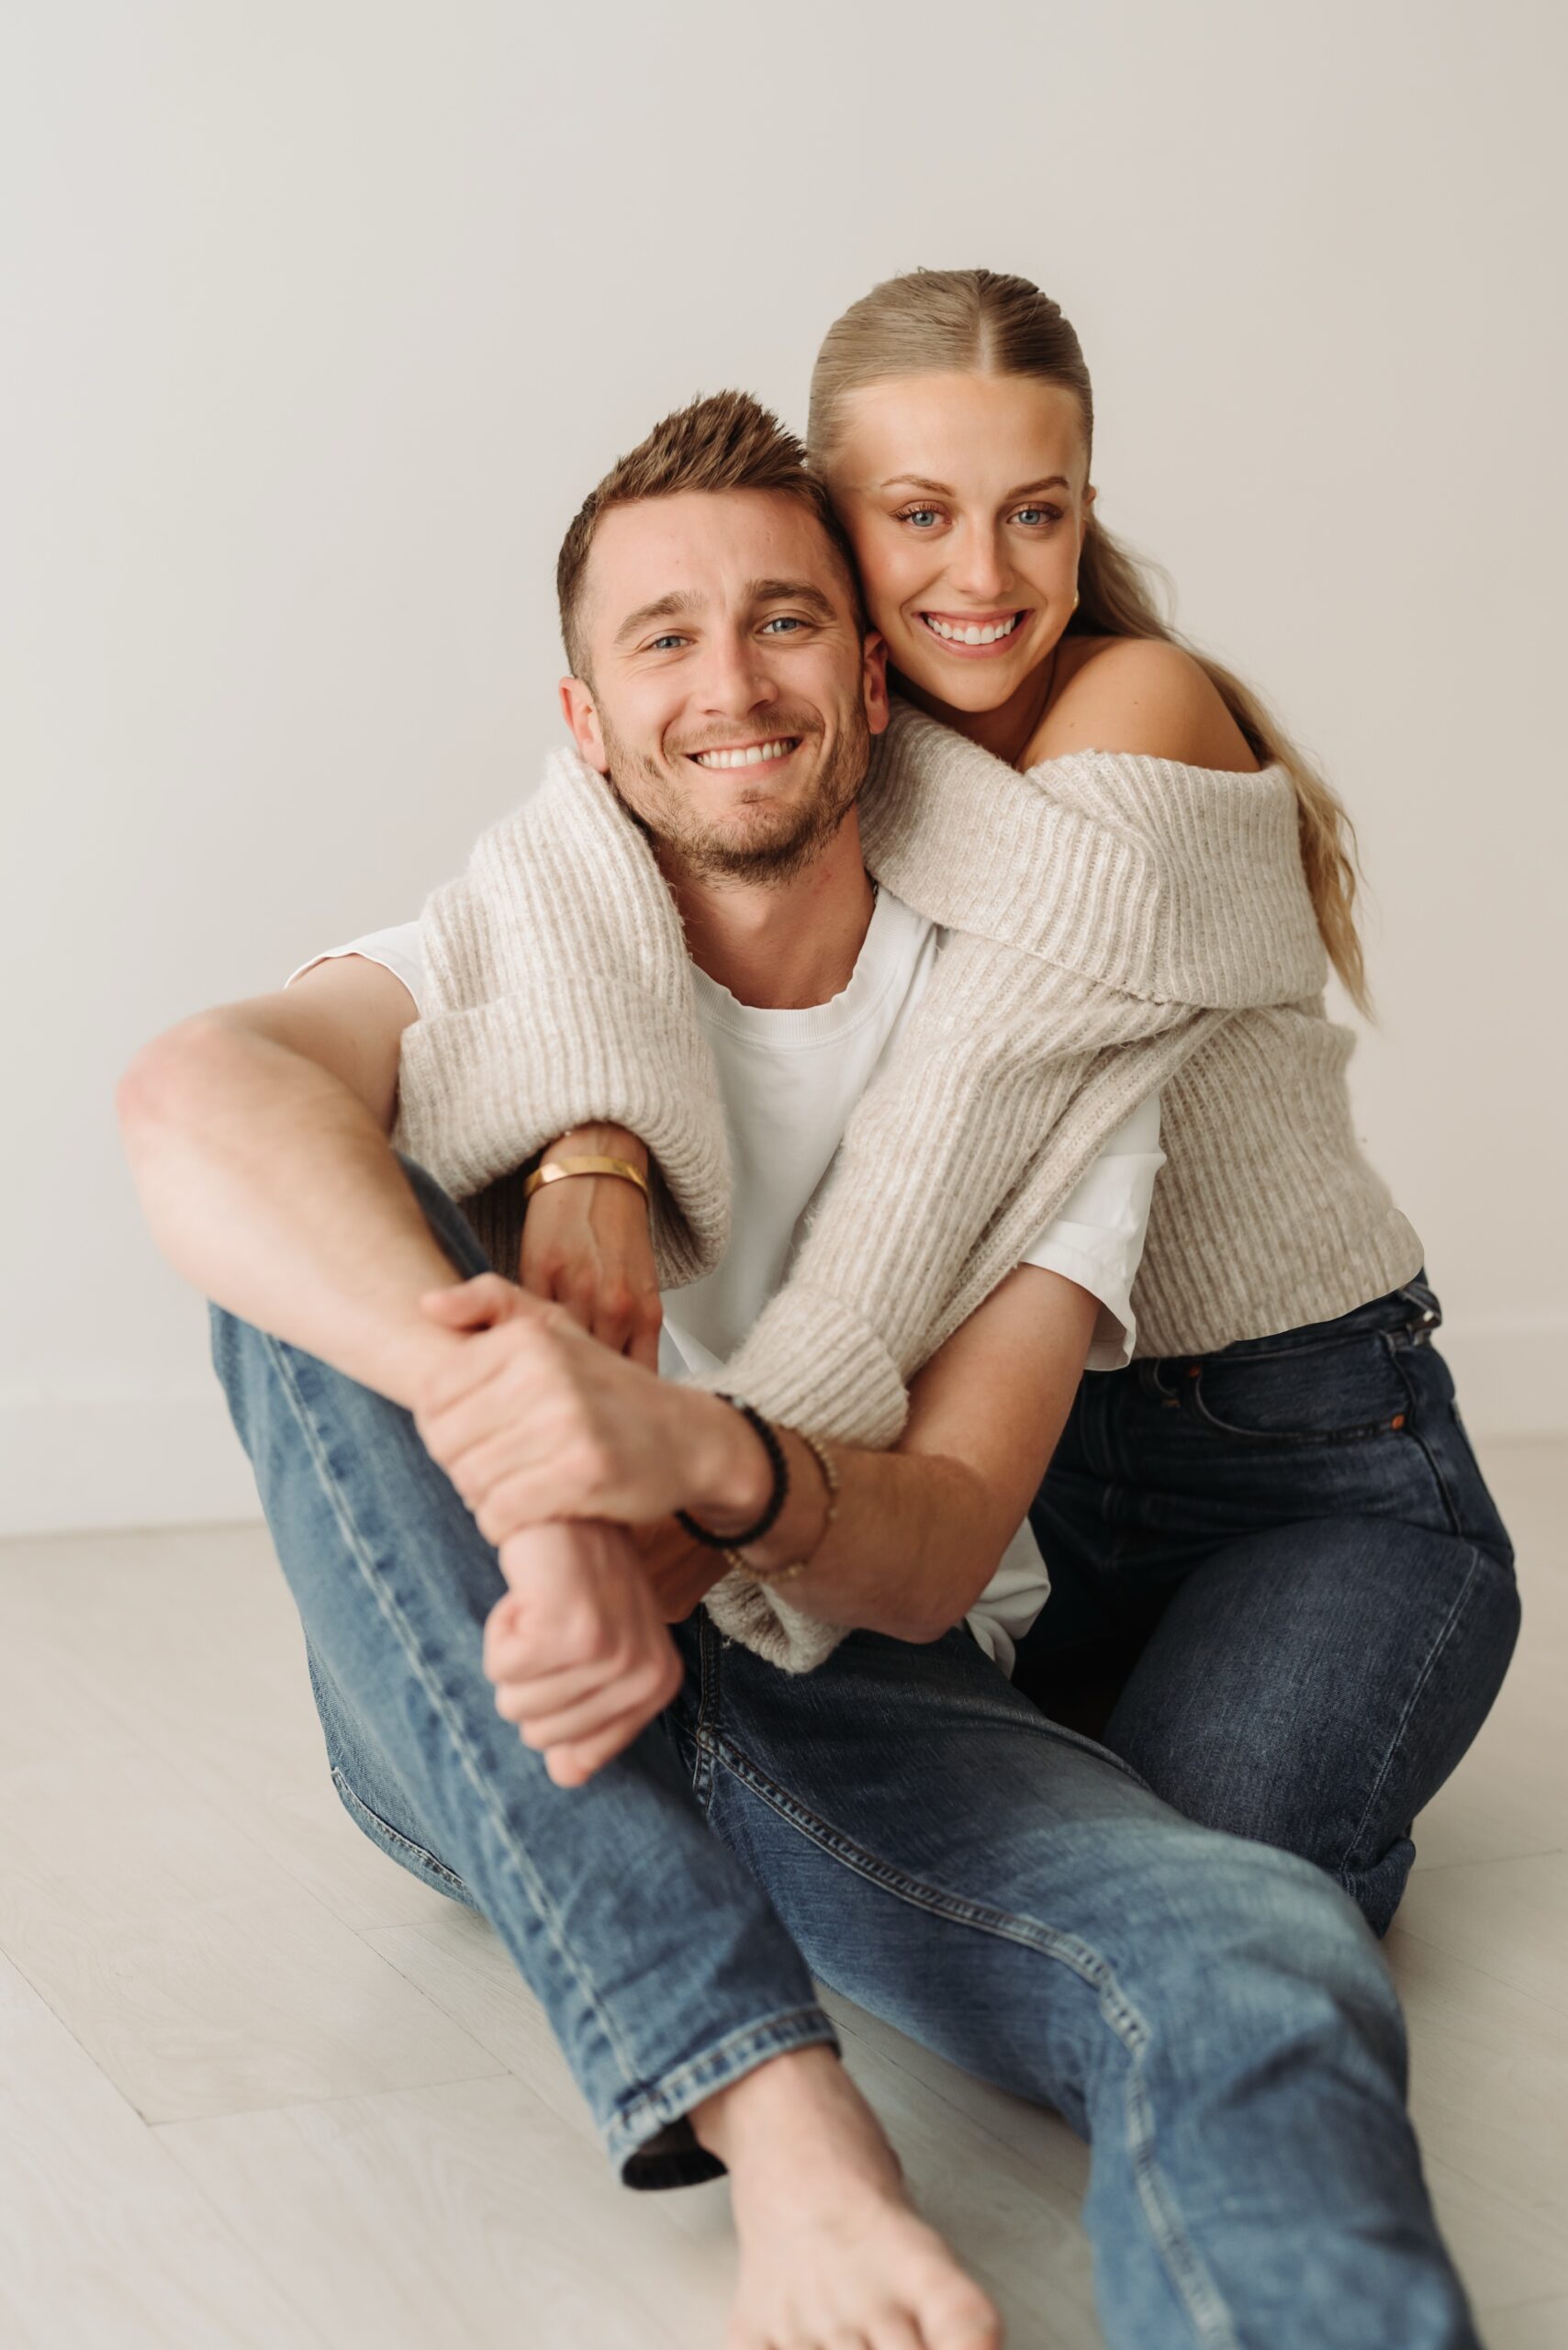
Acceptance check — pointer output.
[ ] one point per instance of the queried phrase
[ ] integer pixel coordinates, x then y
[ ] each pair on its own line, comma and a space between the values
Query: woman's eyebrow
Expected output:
942, 489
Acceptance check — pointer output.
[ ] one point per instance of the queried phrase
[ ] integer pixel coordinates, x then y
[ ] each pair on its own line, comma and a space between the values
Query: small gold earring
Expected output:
1075, 599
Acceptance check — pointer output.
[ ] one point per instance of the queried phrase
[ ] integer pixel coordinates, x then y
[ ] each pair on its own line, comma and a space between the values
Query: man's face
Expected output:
732, 698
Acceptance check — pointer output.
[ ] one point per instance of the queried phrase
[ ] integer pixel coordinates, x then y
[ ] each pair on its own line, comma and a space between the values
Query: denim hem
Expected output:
650, 2139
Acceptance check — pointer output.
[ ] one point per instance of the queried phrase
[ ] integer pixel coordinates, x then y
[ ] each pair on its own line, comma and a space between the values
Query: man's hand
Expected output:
578, 1649
587, 1246
682, 1572
533, 1420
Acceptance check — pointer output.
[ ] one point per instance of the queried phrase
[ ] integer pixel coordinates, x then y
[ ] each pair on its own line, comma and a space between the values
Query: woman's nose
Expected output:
976, 568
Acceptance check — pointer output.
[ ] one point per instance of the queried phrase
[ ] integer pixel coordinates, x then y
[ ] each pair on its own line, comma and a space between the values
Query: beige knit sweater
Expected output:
1118, 924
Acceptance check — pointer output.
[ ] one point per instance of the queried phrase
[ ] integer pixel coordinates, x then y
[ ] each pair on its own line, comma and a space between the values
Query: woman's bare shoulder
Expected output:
1139, 694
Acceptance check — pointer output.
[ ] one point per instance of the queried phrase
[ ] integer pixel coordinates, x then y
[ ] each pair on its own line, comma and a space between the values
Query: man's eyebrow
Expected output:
942, 489
663, 608
679, 602
790, 591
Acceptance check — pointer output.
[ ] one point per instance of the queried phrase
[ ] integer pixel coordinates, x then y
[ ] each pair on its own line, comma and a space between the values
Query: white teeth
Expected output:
971, 634
754, 755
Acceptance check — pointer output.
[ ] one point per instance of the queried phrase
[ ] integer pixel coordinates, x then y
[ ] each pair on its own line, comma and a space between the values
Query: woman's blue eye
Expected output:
918, 515
1038, 514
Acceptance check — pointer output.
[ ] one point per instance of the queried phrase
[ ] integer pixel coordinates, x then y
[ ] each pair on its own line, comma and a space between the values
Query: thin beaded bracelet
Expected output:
776, 1499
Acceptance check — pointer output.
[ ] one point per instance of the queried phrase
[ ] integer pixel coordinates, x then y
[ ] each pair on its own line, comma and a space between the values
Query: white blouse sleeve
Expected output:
1096, 1237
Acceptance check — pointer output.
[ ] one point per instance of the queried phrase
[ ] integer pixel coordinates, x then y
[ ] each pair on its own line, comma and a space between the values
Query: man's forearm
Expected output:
268, 1185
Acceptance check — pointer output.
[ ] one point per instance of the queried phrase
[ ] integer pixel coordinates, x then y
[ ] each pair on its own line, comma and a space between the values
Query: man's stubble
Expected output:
770, 852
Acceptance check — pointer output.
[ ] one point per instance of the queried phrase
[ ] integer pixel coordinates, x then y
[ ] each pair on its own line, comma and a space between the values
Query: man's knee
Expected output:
236, 1344
1291, 1953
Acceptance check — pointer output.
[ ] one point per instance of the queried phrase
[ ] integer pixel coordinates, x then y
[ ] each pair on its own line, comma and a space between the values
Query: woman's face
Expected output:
967, 500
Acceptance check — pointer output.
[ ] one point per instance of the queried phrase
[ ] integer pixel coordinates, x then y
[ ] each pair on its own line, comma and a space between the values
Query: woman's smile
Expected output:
974, 635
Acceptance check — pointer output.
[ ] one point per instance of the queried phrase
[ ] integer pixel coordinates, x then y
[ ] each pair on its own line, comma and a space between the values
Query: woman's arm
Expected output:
534, 1422
921, 1529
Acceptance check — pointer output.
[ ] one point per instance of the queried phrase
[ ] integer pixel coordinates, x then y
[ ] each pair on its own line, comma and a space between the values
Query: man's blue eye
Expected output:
783, 619
660, 642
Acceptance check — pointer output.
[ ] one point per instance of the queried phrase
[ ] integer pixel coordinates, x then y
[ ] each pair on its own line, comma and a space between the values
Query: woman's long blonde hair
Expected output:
950, 321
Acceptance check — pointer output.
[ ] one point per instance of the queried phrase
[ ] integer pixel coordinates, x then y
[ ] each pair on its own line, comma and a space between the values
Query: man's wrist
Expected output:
732, 1474
601, 1142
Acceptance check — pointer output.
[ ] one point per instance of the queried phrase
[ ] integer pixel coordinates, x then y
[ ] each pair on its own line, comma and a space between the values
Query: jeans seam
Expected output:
1194, 2289
1412, 1429
1440, 1641
395, 1617
426, 1858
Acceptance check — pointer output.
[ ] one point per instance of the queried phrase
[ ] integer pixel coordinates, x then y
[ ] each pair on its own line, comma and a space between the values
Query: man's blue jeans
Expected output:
1212, 2014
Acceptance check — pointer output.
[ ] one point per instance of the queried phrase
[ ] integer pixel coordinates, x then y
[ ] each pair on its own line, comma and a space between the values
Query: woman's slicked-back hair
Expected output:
982, 322
943, 321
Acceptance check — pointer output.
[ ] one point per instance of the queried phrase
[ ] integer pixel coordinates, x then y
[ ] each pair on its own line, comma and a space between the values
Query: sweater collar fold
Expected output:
1173, 882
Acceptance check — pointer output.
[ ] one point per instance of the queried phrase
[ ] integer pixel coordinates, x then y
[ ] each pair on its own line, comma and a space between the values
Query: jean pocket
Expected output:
1345, 1391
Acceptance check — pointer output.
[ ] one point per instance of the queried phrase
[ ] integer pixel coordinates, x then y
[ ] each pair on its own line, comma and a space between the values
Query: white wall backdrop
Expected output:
320, 316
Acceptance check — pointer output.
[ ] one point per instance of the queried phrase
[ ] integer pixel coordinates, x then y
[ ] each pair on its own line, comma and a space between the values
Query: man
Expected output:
683, 1835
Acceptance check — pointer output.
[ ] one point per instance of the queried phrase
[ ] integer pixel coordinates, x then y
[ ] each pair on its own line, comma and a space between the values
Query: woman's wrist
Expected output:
739, 1481
801, 1530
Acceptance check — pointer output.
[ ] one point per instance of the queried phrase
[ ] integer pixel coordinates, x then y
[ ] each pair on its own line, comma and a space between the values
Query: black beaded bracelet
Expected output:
776, 1499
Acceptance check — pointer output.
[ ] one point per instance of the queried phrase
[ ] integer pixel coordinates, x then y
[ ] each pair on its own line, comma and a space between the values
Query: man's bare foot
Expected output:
832, 2251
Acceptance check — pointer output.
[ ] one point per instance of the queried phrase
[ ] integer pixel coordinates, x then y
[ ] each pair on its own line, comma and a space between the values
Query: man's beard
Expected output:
773, 847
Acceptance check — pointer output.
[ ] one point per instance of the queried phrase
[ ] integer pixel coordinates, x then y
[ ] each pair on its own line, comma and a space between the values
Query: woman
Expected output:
1267, 1533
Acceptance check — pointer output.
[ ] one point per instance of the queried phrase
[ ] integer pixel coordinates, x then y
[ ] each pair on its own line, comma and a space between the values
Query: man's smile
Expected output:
767, 753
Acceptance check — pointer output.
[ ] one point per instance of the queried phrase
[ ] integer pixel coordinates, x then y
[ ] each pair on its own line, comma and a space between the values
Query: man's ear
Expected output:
579, 710
874, 680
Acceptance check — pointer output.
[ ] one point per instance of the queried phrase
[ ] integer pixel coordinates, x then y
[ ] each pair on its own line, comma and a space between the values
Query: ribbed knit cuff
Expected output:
765, 1622
811, 1362
481, 1089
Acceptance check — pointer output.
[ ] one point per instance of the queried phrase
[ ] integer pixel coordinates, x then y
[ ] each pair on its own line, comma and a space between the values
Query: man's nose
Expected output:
735, 675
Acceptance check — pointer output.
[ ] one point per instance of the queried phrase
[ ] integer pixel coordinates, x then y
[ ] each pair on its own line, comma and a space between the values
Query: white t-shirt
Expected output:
790, 1081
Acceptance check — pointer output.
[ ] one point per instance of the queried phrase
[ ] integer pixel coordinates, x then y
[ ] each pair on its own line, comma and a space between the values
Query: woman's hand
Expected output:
587, 1244
577, 1648
534, 1421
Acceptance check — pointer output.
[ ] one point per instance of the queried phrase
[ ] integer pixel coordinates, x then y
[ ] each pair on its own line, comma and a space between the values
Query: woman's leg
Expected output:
1212, 2014
1314, 1685
1291, 1550
593, 1889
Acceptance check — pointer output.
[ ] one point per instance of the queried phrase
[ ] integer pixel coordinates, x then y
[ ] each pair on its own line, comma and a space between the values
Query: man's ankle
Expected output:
761, 2098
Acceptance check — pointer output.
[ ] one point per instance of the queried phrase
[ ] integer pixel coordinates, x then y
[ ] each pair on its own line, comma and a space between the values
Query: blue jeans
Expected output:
1213, 2015
1283, 1560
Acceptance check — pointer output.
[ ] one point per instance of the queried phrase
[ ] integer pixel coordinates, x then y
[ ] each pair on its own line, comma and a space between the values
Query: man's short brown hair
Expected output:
726, 441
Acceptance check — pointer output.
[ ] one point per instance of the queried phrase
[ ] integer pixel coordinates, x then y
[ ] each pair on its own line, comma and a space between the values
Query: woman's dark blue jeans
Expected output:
1283, 1560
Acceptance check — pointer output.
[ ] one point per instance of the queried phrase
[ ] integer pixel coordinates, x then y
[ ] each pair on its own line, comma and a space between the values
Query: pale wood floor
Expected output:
259, 2088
